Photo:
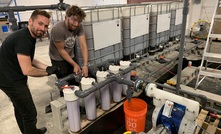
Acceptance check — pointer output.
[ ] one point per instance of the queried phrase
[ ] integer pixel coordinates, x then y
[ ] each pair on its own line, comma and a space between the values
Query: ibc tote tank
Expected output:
135, 23
102, 27
160, 15
176, 20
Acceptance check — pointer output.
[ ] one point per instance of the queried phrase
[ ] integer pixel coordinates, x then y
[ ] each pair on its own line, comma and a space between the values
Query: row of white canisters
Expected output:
114, 90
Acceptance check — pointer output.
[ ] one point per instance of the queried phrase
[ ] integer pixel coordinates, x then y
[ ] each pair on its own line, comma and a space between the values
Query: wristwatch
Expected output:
85, 64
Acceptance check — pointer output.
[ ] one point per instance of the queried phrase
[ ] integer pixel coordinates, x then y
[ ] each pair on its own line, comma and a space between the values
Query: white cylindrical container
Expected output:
72, 108
116, 88
105, 92
124, 65
90, 100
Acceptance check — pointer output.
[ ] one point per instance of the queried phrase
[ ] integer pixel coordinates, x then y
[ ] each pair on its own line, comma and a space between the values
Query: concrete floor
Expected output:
40, 89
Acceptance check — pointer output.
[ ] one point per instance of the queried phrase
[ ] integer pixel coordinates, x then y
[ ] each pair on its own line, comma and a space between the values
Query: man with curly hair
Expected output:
62, 41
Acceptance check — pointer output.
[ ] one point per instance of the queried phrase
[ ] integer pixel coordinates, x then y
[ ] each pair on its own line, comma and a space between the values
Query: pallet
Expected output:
205, 127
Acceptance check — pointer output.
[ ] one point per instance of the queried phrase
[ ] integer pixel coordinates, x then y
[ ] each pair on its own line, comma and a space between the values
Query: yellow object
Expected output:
170, 82
200, 29
128, 132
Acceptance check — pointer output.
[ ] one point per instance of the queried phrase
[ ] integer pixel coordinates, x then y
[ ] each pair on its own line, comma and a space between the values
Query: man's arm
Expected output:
27, 68
36, 63
84, 52
66, 56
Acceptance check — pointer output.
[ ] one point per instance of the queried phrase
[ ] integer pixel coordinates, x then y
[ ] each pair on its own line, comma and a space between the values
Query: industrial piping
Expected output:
118, 78
138, 84
93, 69
102, 66
11, 15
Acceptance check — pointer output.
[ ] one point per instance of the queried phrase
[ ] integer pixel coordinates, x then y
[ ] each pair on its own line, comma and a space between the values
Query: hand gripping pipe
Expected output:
118, 78
63, 81
92, 69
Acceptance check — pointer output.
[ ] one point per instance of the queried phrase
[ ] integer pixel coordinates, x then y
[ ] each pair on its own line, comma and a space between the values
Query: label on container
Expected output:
132, 124
168, 107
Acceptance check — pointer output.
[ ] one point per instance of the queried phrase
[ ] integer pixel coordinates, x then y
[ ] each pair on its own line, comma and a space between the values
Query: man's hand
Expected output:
77, 69
85, 71
52, 69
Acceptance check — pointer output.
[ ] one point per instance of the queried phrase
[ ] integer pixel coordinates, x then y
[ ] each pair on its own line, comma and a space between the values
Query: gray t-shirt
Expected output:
60, 33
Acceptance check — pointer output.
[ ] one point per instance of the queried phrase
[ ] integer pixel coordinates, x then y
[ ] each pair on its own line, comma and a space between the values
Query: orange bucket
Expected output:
135, 115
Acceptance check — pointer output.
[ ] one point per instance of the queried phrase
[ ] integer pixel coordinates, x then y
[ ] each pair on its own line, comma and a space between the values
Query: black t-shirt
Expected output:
18, 42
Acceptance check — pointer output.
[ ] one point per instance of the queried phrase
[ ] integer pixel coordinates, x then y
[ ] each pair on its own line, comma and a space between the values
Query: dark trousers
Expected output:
24, 108
65, 69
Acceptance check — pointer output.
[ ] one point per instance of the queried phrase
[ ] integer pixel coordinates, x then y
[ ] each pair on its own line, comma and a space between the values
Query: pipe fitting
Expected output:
139, 84
63, 81
82, 94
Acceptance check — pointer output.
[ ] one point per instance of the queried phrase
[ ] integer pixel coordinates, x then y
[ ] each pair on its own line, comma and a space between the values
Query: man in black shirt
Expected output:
17, 62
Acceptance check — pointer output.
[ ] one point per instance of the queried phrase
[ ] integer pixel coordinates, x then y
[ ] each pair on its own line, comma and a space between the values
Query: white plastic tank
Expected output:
98, 20
135, 26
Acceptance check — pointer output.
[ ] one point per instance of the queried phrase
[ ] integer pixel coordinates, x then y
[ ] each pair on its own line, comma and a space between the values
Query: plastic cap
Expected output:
114, 69
101, 75
69, 94
124, 64
86, 83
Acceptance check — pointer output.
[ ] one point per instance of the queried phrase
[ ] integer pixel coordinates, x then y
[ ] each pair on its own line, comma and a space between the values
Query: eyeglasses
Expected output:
74, 19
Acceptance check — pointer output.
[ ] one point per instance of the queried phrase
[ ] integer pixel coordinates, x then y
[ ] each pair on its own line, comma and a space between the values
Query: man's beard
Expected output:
70, 27
36, 33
